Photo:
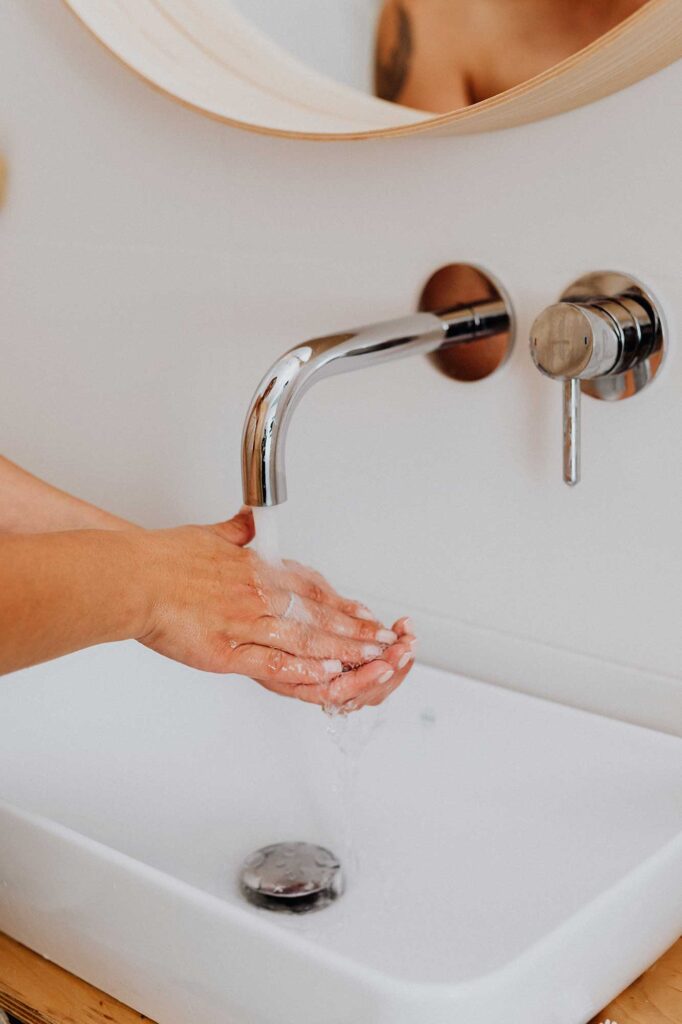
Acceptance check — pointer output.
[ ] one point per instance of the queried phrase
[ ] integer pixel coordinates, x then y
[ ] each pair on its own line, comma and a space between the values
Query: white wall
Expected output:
153, 263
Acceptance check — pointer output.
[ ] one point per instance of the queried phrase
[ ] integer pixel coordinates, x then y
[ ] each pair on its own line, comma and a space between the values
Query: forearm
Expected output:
60, 592
29, 505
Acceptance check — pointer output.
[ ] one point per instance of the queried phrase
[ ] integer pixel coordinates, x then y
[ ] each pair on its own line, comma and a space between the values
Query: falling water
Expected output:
348, 733
266, 543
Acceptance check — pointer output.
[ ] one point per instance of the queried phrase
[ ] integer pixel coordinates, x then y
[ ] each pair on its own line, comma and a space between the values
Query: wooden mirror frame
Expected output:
205, 55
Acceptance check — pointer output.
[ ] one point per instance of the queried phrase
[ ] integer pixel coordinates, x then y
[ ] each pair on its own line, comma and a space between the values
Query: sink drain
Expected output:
292, 877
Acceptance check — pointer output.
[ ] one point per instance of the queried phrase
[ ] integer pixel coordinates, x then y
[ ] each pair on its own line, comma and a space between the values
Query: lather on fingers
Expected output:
368, 685
308, 583
304, 640
271, 665
327, 618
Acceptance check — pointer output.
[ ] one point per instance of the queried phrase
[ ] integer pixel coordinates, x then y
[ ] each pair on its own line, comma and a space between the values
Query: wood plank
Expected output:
654, 998
38, 992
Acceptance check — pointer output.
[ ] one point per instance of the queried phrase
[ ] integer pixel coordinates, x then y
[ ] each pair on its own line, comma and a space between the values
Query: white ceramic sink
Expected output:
520, 862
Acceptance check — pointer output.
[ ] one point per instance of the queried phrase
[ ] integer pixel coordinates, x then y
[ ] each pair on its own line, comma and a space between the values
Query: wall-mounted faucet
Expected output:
604, 338
278, 394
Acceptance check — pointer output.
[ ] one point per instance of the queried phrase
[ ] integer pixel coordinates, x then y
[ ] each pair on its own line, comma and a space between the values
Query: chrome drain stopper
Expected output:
292, 877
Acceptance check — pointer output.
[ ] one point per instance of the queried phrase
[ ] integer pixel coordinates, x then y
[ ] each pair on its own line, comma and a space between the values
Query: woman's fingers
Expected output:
304, 640
310, 633
345, 687
239, 530
296, 592
270, 665
311, 584
353, 685
357, 689
400, 654
295, 608
401, 657
370, 684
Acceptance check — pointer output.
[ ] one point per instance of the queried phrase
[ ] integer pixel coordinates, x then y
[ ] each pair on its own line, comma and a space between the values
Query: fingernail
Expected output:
404, 660
407, 626
371, 651
386, 676
414, 643
386, 636
334, 667
364, 613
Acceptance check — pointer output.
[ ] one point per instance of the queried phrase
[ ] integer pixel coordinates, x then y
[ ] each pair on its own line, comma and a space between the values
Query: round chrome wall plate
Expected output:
611, 284
463, 284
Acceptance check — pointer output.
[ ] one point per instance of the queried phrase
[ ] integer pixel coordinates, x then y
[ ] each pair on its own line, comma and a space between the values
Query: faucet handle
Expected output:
604, 337
572, 431
571, 342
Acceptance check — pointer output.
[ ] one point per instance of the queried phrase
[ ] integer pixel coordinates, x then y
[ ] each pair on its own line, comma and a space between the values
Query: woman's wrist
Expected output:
108, 572
147, 566
63, 591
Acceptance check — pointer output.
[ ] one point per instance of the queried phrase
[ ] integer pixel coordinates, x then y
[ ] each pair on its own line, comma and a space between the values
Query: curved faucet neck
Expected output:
287, 380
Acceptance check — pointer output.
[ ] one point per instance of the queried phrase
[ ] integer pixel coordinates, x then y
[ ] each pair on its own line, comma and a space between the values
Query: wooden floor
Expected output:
39, 992
656, 996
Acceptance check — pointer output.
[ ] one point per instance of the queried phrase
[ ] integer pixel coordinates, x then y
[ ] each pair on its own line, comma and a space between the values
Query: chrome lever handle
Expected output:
571, 342
572, 431
605, 337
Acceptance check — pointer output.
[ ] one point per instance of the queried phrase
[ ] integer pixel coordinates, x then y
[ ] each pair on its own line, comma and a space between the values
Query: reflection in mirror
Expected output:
334, 37
434, 55
440, 55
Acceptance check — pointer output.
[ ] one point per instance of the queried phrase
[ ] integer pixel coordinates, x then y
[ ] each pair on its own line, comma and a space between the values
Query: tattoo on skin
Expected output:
390, 72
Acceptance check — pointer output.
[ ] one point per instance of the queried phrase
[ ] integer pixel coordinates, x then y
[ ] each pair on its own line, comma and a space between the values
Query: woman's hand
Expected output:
217, 606
360, 688
195, 594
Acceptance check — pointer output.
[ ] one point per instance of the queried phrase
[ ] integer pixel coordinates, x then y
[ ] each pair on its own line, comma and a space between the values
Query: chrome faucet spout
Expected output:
285, 383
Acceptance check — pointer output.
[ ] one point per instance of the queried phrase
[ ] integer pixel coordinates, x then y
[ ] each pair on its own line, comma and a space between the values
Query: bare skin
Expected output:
30, 505
439, 55
73, 576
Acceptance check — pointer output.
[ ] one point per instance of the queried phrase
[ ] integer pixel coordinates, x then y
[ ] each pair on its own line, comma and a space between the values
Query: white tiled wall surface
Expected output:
154, 262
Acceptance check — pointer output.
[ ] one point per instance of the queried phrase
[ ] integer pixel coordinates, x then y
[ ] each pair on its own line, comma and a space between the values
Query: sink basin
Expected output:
517, 860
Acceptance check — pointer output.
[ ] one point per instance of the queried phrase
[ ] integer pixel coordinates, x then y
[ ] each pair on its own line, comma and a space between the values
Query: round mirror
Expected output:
357, 68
